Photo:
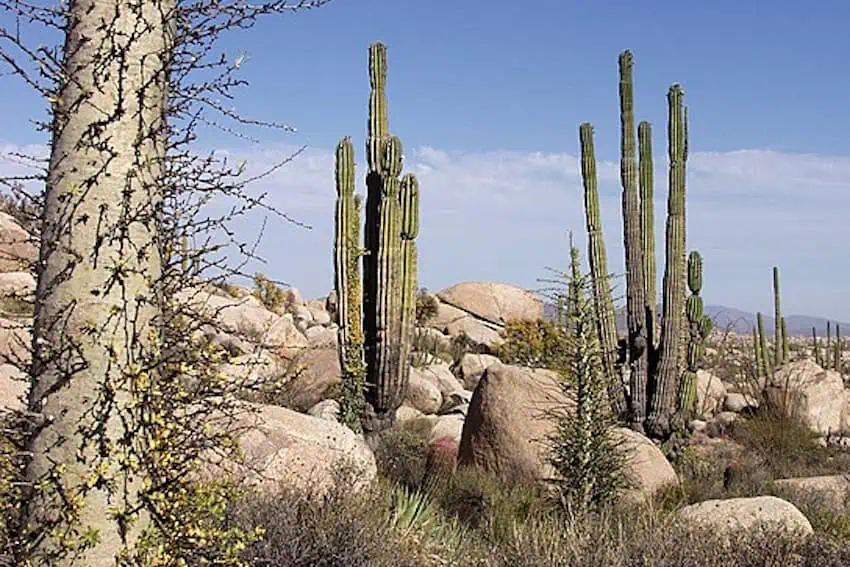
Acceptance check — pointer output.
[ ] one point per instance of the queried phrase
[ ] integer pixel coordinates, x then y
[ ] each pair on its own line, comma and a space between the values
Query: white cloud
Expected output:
504, 215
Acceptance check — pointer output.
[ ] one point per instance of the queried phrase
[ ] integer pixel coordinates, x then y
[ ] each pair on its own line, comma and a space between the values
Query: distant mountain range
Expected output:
741, 321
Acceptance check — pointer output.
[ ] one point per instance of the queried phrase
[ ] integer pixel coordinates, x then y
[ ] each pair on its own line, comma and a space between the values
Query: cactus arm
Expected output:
765, 362
699, 327
647, 219
637, 351
664, 398
778, 337
409, 203
348, 288
603, 301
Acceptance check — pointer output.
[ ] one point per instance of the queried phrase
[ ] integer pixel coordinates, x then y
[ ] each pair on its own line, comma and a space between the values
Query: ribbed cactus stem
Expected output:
778, 338
385, 385
827, 349
647, 221
757, 353
815, 349
637, 351
348, 288
786, 349
837, 367
699, 327
378, 125
765, 362
409, 202
603, 301
669, 371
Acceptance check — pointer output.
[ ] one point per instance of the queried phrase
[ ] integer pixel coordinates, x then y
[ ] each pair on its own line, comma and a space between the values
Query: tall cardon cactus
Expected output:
603, 302
347, 254
376, 318
654, 366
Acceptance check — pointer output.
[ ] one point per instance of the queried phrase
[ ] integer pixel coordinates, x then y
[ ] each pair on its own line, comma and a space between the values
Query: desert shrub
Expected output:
427, 350
310, 529
401, 455
15, 306
382, 526
645, 539
229, 289
462, 344
426, 306
535, 343
482, 501
828, 513
208, 538
269, 294
11, 477
785, 445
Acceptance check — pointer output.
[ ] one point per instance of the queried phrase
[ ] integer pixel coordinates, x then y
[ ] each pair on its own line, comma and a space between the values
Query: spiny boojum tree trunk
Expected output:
97, 276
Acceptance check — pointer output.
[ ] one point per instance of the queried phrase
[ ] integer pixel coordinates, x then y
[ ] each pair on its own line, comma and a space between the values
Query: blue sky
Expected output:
487, 98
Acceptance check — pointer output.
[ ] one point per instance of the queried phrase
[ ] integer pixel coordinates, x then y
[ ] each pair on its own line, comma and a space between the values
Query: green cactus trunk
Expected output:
778, 337
765, 363
409, 202
385, 378
663, 401
815, 349
347, 253
827, 349
603, 301
699, 328
647, 221
756, 354
637, 351
786, 349
837, 367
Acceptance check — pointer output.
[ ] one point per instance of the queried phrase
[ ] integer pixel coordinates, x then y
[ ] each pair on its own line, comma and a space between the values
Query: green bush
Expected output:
401, 455
269, 294
534, 343
426, 307
785, 445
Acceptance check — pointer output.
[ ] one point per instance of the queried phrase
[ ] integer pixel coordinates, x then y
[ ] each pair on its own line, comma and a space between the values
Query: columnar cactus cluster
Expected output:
765, 362
653, 363
831, 356
375, 319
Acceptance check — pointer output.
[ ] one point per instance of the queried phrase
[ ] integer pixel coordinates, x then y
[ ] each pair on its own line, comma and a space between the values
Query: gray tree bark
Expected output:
98, 271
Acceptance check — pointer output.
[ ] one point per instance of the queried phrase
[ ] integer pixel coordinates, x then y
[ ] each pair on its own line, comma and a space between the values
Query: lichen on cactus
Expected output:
347, 253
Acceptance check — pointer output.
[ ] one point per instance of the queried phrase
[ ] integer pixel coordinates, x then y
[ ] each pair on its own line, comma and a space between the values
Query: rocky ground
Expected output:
469, 405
